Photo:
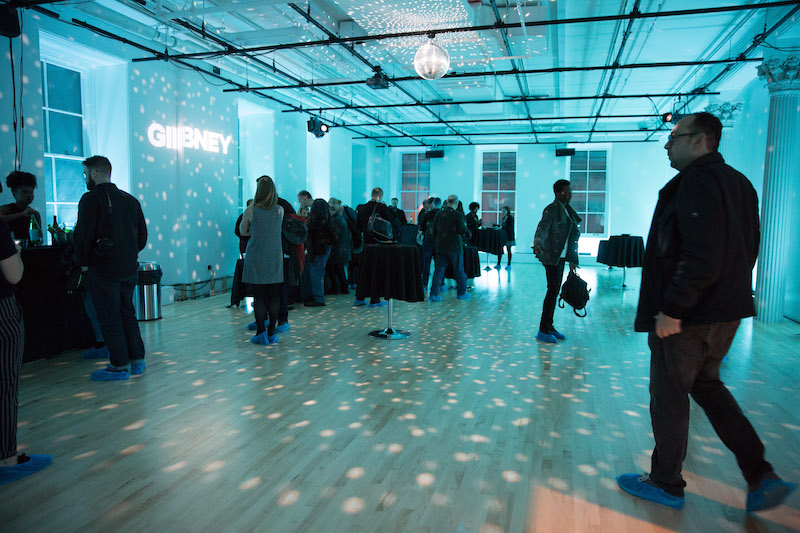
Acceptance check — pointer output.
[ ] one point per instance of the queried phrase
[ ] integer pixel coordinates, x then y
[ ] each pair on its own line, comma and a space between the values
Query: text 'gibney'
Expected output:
177, 137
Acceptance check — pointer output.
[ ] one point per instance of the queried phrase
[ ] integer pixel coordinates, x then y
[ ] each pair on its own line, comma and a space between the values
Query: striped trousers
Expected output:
12, 342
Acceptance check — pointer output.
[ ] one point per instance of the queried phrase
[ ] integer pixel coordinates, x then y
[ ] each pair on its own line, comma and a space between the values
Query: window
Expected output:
63, 143
416, 184
242, 203
587, 174
499, 186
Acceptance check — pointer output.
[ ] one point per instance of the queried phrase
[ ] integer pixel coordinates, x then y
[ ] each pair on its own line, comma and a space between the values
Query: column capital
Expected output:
726, 112
781, 73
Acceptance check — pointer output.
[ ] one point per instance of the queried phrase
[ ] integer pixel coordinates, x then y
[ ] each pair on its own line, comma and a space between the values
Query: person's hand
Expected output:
666, 325
537, 249
29, 211
84, 268
572, 266
18, 247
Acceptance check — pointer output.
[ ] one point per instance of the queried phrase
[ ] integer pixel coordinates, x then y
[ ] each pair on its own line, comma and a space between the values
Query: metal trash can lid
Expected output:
148, 266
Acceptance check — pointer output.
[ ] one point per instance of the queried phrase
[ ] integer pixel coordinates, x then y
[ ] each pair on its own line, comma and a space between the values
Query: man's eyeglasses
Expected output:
672, 136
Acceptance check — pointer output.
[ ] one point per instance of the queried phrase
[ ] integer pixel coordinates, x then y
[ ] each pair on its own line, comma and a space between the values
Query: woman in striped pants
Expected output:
12, 466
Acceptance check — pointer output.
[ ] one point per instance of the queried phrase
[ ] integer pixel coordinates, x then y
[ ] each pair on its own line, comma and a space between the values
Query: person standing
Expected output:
450, 230
12, 333
398, 213
108, 237
364, 212
473, 223
18, 214
305, 200
507, 225
321, 238
556, 242
696, 287
341, 252
263, 260
426, 227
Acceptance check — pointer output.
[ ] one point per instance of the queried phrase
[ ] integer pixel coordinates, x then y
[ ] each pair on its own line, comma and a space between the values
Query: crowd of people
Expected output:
696, 287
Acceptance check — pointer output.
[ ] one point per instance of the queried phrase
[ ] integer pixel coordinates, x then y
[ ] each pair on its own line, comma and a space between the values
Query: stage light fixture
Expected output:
666, 117
317, 127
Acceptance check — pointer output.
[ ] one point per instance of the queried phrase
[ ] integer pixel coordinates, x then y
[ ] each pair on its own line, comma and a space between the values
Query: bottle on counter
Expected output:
35, 231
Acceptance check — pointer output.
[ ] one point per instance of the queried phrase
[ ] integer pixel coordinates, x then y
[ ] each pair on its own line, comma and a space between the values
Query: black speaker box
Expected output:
563, 152
9, 23
430, 154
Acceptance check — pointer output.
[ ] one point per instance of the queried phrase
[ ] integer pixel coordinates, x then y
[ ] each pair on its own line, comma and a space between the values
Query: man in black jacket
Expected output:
363, 214
426, 219
108, 237
696, 286
450, 233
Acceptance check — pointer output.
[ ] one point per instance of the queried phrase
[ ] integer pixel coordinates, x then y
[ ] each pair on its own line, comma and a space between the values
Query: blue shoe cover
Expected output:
558, 335
465, 296
272, 339
379, 304
97, 353
634, 484
359, 302
137, 367
13, 473
769, 494
283, 328
433, 298
110, 374
263, 338
546, 337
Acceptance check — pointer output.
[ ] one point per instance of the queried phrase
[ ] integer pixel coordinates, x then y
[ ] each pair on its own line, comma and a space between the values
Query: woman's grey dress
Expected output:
263, 261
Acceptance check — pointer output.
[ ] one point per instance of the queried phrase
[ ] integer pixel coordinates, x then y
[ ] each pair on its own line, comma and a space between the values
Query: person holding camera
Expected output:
108, 237
556, 243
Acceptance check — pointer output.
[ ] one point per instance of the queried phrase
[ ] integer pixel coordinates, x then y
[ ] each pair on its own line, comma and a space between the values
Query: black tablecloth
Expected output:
472, 265
621, 251
491, 240
390, 271
54, 320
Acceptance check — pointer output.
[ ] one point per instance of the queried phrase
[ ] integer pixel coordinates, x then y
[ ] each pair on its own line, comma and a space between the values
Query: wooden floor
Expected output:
469, 425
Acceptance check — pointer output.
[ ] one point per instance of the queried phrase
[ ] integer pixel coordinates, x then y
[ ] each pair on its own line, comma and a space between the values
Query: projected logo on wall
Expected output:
176, 137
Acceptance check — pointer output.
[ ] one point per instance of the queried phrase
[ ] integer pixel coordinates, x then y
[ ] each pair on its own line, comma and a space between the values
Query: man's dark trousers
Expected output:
554, 274
457, 262
113, 300
428, 249
688, 363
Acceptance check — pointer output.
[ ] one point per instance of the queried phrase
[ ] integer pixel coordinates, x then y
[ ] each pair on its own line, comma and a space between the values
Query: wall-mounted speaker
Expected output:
563, 152
430, 154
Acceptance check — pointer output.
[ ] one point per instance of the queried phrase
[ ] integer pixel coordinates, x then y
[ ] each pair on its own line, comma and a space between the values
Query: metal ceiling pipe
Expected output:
501, 26
477, 120
482, 143
552, 70
506, 133
530, 99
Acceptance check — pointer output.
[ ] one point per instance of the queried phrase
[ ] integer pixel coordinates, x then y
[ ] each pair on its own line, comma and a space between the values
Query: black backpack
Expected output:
575, 292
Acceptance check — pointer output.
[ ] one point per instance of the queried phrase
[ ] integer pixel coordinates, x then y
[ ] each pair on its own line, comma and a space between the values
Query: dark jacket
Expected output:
399, 214
508, 226
426, 225
365, 211
125, 226
450, 231
320, 232
342, 251
243, 239
473, 223
702, 247
557, 230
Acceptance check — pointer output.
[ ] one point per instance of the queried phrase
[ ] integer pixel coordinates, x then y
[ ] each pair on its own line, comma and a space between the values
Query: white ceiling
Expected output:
232, 25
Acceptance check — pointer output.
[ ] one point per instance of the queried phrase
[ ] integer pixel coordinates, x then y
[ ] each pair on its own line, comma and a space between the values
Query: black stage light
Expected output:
379, 81
316, 127
666, 117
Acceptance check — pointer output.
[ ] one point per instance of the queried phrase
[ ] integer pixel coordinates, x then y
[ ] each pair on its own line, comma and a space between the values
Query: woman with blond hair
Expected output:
263, 260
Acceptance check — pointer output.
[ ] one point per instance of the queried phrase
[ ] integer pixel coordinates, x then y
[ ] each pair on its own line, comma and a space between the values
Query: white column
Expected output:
782, 168
726, 112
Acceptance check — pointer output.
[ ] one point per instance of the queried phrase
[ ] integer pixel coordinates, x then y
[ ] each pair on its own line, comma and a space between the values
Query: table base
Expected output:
389, 334
623, 287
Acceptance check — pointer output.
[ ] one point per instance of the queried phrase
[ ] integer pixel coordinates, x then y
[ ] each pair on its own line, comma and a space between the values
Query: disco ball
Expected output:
431, 61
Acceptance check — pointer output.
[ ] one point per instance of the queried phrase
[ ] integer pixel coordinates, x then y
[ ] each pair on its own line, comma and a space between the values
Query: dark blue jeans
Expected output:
113, 300
554, 274
428, 249
457, 262
688, 363
316, 274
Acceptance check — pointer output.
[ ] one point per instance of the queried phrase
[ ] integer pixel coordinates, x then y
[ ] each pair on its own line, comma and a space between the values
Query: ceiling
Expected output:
550, 80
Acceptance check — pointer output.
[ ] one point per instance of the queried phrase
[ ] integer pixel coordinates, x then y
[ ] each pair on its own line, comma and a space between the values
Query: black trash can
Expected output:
147, 296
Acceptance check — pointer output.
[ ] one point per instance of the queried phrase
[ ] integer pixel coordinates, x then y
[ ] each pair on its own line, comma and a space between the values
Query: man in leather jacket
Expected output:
696, 287
556, 242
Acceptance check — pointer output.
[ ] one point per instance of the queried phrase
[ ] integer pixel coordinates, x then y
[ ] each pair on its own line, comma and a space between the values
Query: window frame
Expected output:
482, 171
419, 193
584, 212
